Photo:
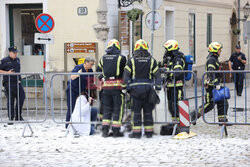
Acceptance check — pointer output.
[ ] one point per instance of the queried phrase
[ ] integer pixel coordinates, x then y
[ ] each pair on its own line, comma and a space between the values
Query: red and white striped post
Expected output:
184, 115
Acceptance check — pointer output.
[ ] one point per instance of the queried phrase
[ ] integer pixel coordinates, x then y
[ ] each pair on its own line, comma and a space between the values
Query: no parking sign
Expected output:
44, 23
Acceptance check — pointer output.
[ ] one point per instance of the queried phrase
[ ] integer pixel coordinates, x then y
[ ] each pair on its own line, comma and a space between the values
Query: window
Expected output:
192, 33
209, 29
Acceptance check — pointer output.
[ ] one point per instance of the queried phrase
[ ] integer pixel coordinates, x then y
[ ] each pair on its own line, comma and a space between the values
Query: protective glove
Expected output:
218, 87
124, 91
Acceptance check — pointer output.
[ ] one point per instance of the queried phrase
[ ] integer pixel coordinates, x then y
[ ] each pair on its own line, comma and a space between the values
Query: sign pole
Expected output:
248, 61
153, 28
44, 72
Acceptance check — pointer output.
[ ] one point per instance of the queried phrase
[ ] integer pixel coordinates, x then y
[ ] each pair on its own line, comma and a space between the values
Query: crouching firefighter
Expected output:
140, 74
174, 60
212, 82
112, 66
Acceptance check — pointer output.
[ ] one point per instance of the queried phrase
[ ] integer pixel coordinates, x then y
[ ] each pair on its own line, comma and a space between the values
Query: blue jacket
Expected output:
7, 64
80, 84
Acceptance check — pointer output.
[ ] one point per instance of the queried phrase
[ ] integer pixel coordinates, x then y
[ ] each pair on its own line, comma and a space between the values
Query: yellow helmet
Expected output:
214, 47
171, 45
141, 44
81, 61
113, 42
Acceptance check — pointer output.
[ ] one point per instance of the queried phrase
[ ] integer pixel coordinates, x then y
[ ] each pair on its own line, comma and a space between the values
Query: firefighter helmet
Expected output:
171, 45
114, 42
141, 44
214, 47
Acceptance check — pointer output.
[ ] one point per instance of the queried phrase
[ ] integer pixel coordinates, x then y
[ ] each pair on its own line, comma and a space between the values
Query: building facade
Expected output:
18, 17
194, 23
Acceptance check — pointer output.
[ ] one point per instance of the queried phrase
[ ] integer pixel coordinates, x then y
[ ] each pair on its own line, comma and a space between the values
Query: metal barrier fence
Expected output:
64, 88
22, 99
189, 93
62, 81
230, 118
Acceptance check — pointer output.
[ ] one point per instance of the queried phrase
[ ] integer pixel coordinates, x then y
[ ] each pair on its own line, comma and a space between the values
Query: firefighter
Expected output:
112, 66
173, 60
140, 74
213, 81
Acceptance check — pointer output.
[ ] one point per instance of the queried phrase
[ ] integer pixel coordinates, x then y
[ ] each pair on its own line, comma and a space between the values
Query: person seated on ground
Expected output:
83, 112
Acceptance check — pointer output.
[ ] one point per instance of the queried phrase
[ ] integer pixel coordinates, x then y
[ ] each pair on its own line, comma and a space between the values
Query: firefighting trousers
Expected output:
174, 95
112, 102
139, 104
222, 106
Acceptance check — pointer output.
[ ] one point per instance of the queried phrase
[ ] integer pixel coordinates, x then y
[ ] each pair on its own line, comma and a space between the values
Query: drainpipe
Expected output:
239, 20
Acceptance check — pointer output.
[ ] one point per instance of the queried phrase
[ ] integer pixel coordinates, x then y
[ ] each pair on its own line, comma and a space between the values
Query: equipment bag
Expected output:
189, 61
168, 129
153, 97
223, 93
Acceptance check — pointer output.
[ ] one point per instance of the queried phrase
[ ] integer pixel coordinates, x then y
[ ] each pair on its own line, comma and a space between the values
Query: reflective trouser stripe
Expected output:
132, 114
148, 128
106, 122
116, 124
119, 122
175, 119
136, 128
179, 94
122, 108
205, 106
222, 116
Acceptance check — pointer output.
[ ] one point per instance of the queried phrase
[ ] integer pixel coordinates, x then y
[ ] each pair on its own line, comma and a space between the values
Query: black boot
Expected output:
225, 120
193, 116
116, 132
19, 118
149, 134
135, 135
105, 130
10, 123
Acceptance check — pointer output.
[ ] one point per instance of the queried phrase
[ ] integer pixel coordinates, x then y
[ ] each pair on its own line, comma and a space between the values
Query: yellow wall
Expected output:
69, 27
220, 29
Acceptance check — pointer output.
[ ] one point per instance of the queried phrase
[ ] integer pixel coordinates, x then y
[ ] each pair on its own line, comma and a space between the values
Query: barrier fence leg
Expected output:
224, 129
174, 130
74, 131
24, 129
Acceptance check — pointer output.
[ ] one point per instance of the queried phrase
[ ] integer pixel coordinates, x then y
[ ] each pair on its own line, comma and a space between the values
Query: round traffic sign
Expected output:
44, 23
149, 22
157, 4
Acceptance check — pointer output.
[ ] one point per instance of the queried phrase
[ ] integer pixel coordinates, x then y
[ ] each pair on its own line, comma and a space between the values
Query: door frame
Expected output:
5, 19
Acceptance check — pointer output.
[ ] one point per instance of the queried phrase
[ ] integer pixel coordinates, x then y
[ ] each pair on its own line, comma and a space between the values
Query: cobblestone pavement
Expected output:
50, 147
